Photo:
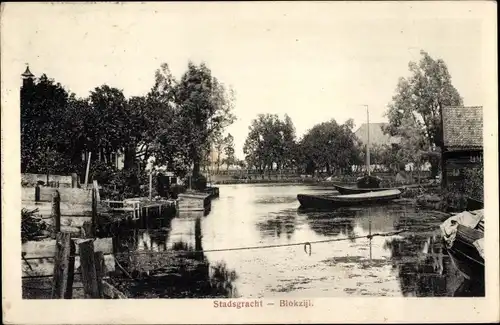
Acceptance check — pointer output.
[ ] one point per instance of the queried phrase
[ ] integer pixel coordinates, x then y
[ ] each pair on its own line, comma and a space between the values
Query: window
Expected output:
476, 159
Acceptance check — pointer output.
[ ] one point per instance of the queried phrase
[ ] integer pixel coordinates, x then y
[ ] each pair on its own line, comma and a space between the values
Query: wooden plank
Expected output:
64, 264
44, 267
47, 248
69, 195
88, 266
67, 209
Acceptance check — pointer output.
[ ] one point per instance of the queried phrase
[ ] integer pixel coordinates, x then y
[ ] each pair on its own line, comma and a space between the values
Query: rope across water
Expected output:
306, 245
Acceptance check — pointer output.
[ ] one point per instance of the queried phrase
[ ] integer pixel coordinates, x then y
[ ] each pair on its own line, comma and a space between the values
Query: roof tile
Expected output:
463, 126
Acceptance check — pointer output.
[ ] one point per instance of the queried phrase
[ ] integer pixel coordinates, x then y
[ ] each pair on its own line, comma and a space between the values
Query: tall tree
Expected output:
229, 158
269, 142
219, 144
330, 146
45, 146
167, 138
204, 109
421, 98
111, 126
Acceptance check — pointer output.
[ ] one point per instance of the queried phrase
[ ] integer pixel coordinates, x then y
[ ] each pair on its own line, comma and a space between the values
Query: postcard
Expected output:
249, 162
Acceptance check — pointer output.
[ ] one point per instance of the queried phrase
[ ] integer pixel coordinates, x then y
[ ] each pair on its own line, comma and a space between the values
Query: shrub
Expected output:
454, 201
102, 172
474, 183
31, 226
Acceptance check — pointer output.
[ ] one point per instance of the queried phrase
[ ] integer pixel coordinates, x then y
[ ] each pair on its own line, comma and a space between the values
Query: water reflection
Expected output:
193, 262
165, 266
332, 223
278, 224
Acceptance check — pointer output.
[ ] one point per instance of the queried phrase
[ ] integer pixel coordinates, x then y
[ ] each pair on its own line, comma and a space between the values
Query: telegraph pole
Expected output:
368, 140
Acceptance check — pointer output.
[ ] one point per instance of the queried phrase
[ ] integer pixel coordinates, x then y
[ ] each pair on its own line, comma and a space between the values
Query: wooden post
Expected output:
197, 238
74, 180
87, 171
88, 265
100, 269
87, 231
96, 187
94, 210
150, 185
64, 267
37, 193
56, 212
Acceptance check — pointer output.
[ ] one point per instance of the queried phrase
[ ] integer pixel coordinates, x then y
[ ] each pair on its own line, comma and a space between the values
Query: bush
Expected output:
454, 201
474, 183
126, 183
31, 226
102, 172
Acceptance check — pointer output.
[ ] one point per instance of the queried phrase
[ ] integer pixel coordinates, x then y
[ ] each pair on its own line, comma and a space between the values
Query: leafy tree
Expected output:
421, 98
204, 109
330, 146
270, 142
413, 144
219, 145
229, 158
44, 143
110, 127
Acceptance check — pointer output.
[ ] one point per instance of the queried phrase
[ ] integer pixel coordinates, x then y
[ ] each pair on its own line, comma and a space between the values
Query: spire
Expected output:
27, 74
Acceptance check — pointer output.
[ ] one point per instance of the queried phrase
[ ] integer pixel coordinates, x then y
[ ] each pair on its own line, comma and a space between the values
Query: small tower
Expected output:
27, 76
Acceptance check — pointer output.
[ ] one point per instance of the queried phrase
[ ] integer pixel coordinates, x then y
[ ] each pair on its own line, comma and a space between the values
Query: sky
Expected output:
312, 61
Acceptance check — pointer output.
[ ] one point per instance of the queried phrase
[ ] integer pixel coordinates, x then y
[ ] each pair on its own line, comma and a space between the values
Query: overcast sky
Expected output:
313, 61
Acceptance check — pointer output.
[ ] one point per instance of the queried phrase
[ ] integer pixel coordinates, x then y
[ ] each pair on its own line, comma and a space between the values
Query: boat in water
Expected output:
308, 201
463, 236
358, 190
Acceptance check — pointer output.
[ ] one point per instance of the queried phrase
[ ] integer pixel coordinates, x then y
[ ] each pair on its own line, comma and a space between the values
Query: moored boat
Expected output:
345, 190
358, 190
463, 236
334, 201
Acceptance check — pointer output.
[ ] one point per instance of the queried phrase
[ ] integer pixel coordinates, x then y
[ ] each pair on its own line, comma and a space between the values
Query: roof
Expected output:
463, 127
27, 73
377, 135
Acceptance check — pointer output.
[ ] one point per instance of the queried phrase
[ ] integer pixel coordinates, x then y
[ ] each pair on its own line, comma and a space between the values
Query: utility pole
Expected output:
368, 140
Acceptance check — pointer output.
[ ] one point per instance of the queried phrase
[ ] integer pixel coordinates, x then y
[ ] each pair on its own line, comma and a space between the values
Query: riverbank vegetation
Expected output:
414, 121
172, 125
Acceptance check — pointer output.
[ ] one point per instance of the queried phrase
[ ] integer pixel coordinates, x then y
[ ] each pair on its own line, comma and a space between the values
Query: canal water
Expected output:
412, 263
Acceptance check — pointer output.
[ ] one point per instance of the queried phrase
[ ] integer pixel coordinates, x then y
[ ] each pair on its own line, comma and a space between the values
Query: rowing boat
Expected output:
333, 201
358, 190
345, 190
463, 236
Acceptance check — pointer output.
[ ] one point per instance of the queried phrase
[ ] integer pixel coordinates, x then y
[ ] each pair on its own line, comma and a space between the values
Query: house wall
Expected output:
456, 163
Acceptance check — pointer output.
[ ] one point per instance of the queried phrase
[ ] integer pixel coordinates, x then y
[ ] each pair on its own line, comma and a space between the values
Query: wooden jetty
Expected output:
140, 211
212, 191
194, 201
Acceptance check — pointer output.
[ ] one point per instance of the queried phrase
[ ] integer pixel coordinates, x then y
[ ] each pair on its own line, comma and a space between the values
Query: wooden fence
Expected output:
73, 263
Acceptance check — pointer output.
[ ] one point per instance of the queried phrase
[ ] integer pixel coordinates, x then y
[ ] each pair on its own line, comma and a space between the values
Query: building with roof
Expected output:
377, 135
462, 145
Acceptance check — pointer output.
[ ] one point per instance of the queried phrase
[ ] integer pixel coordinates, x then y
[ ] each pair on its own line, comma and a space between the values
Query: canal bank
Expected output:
189, 257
